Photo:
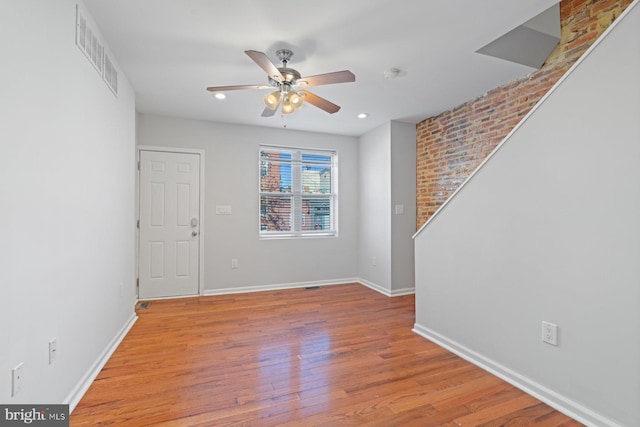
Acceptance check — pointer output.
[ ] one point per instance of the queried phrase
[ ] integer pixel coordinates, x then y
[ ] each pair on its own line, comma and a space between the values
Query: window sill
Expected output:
295, 236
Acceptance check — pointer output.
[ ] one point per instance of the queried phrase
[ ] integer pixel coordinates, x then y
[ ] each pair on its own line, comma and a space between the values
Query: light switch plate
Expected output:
16, 379
223, 210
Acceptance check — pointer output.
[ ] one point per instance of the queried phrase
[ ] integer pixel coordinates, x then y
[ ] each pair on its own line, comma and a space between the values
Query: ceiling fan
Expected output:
290, 93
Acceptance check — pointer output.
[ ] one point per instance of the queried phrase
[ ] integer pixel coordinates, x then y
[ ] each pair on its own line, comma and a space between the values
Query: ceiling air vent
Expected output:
89, 43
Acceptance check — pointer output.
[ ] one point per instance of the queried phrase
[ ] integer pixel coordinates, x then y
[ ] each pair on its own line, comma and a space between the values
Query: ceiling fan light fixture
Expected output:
295, 100
220, 95
271, 100
287, 106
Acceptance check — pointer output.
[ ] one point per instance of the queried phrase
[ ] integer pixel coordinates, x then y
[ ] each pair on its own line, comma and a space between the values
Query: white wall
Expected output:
549, 230
231, 156
67, 203
375, 211
388, 178
403, 192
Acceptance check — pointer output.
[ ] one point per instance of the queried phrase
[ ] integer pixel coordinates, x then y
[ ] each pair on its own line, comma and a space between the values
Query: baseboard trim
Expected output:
385, 291
279, 286
557, 401
85, 382
403, 291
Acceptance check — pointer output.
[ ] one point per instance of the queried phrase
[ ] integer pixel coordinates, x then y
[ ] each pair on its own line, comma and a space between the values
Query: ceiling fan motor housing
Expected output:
290, 75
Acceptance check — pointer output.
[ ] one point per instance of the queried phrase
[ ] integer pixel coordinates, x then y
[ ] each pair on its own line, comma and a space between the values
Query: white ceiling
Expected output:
171, 50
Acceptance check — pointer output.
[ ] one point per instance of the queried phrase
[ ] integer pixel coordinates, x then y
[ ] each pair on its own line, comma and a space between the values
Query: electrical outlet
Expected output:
53, 351
16, 379
234, 262
550, 333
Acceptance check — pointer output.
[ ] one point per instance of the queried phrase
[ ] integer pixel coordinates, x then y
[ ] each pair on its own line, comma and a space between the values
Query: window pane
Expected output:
297, 194
275, 213
316, 179
316, 213
316, 173
322, 159
275, 171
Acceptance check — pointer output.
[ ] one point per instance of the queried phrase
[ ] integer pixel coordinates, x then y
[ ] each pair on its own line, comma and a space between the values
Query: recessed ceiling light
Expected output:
363, 115
220, 95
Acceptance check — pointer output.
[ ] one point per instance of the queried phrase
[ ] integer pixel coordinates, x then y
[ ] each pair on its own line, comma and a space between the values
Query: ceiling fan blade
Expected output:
268, 112
328, 78
240, 87
265, 63
319, 102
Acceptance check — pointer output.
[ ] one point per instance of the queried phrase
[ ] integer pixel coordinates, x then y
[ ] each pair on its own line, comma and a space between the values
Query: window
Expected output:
298, 196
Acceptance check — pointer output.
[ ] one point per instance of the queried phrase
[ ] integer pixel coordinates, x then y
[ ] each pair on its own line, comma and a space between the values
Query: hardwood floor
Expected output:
336, 356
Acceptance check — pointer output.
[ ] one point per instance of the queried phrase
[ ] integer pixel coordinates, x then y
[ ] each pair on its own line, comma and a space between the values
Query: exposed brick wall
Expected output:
451, 145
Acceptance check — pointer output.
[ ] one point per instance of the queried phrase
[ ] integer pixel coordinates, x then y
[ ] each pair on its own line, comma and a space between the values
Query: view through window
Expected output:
297, 192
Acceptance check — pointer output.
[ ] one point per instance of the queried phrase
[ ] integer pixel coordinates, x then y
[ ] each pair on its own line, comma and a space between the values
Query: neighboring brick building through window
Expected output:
298, 196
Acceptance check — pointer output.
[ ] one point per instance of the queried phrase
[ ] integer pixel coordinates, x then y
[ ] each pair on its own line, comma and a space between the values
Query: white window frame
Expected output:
298, 218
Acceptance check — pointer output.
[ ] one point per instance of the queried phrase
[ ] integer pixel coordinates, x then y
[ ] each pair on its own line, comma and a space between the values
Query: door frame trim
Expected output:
182, 150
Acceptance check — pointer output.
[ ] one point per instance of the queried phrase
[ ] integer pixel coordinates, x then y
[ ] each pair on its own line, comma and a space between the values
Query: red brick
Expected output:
451, 145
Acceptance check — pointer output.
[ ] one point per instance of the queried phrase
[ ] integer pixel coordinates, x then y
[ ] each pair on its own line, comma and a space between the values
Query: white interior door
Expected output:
169, 224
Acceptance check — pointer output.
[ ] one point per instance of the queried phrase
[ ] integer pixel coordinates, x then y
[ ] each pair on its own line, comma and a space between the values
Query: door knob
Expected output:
194, 233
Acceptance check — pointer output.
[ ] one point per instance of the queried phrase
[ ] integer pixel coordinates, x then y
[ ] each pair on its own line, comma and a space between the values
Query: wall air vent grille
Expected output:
110, 75
89, 43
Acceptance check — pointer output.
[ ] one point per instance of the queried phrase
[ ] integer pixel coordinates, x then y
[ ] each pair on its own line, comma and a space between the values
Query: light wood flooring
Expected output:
337, 356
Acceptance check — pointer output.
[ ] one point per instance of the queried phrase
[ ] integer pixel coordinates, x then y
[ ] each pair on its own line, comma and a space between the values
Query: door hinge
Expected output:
138, 165
138, 283
138, 224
